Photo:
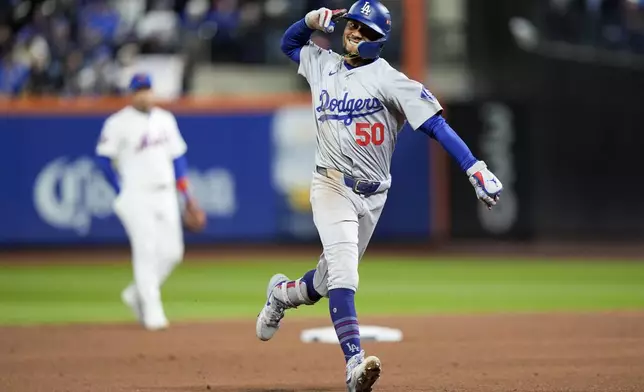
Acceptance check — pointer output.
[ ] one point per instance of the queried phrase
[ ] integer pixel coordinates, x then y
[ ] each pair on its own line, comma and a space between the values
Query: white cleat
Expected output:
154, 318
268, 320
156, 325
362, 373
130, 298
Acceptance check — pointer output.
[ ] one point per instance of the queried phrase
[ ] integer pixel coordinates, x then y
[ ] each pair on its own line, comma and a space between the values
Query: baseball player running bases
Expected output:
145, 144
360, 105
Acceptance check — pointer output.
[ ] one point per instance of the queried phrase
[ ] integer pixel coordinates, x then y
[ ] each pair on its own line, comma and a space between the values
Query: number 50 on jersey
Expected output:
370, 134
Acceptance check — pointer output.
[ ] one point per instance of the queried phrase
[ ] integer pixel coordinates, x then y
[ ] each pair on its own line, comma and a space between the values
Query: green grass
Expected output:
197, 291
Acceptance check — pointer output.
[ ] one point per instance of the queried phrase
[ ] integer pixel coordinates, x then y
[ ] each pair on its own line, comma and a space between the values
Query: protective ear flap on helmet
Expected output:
376, 16
370, 50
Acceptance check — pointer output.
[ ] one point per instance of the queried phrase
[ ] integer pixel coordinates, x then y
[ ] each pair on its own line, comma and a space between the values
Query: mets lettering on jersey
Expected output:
149, 141
346, 109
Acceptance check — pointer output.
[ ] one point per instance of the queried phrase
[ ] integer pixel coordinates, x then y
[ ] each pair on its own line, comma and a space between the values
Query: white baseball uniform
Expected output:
143, 146
359, 113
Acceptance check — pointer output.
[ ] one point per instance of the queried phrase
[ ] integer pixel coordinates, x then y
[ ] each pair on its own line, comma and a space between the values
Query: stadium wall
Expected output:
250, 165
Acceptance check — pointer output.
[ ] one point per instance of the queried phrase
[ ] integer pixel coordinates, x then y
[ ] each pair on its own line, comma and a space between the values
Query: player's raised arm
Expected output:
298, 35
294, 39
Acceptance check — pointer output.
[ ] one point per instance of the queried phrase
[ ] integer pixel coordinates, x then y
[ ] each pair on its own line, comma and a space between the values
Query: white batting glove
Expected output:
323, 19
488, 188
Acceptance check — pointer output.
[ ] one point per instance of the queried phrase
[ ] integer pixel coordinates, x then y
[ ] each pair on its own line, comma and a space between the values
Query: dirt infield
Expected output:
495, 353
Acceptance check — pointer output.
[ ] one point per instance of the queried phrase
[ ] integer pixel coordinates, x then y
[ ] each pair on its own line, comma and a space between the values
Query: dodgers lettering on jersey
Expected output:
143, 145
360, 111
347, 108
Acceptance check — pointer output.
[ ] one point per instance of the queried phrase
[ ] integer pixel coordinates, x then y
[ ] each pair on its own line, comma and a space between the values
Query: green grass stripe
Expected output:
33, 294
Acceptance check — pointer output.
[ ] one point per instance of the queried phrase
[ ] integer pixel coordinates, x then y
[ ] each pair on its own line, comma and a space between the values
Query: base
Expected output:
367, 334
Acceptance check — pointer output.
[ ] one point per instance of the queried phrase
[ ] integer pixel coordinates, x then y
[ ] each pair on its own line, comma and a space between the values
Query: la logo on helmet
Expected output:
366, 9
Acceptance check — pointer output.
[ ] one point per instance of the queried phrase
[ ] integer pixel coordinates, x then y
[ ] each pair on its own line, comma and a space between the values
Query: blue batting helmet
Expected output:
375, 16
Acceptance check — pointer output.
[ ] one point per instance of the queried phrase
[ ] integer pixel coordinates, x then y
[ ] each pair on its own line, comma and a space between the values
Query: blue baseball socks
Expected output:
342, 307
310, 290
345, 320
298, 292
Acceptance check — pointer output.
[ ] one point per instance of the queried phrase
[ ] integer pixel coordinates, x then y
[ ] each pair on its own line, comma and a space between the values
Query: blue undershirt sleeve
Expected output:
295, 38
105, 164
437, 128
180, 166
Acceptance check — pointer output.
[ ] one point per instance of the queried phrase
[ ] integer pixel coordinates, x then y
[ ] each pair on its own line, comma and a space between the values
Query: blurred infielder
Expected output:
360, 105
149, 153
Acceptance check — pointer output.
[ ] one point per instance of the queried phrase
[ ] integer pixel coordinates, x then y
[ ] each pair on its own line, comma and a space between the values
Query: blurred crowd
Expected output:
608, 24
79, 47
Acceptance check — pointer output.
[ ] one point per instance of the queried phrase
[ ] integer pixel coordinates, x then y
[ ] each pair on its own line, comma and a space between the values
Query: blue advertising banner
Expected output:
53, 192
407, 214
250, 173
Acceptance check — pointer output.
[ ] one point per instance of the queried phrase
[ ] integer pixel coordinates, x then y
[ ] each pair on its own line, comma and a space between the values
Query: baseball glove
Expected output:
194, 219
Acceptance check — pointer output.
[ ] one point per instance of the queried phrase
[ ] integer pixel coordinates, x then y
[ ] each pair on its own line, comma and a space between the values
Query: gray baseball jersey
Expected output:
359, 112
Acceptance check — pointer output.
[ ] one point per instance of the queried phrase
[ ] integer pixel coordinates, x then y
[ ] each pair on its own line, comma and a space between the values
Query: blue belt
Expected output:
361, 187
